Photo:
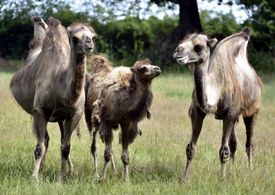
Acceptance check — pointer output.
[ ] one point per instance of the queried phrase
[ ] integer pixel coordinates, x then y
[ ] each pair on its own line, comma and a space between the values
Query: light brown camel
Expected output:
51, 88
225, 85
124, 99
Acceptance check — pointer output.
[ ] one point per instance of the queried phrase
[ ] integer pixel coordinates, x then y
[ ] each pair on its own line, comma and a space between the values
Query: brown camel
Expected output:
124, 99
101, 67
51, 88
225, 85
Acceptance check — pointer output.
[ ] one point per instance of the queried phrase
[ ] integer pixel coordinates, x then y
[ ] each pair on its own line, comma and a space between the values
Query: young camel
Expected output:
51, 87
225, 85
101, 67
124, 99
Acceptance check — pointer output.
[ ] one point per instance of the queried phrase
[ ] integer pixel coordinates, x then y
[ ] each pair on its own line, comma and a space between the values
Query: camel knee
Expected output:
65, 150
47, 140
233, 147
190, 151
93, 149
38, 152
224, 154
249, 148
125, 158
108, 155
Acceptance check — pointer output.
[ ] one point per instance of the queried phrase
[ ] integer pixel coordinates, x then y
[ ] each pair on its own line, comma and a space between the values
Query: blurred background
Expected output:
133, 29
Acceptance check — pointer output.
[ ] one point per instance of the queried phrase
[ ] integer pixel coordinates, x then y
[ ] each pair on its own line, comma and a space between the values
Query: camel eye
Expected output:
198, 48
142, 69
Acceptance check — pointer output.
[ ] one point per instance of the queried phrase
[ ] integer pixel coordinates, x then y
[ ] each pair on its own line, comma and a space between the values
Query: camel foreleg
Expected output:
224, 152
197, 117
40, 130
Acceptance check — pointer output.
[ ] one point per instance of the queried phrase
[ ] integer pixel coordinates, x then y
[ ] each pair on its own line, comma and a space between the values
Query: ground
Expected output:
157, 158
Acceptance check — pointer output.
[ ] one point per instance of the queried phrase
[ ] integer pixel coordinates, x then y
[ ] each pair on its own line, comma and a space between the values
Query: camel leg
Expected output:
46, 143
232, 144
106, 135
94, 153
197, 117
40, 129
68, 127
69, 160
249, 125
228, 126
129, 132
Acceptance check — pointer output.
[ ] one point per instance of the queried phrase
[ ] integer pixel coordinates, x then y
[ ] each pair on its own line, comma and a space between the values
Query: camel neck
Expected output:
77, 75
200, 74
206, 87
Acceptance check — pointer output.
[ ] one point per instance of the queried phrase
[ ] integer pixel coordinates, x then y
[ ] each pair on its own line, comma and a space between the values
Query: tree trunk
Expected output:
189, 19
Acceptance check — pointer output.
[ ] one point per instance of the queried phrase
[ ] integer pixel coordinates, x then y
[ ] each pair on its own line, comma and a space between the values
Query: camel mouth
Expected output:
186, 60
157, 72
183, 60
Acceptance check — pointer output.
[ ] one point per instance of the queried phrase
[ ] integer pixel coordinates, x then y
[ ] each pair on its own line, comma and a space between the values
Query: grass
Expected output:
157, 158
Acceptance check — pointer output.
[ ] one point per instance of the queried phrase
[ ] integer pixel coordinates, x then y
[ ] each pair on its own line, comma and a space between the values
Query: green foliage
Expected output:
133, 38
263, 25
219, 26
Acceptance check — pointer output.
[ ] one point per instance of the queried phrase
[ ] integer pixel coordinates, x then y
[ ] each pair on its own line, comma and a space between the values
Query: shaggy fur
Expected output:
51, 87
225, 84
124, 98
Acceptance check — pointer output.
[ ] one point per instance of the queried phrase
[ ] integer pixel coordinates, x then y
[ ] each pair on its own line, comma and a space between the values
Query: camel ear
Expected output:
211, 42
132, 69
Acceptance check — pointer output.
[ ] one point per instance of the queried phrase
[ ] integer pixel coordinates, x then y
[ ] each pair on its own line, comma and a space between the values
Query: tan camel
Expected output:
51, 88
124, 99
225, 85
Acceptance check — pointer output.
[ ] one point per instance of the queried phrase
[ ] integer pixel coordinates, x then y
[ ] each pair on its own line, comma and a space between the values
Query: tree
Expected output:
189, 19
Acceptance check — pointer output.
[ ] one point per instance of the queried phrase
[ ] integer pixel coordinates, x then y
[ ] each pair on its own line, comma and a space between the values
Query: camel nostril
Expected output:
179, 49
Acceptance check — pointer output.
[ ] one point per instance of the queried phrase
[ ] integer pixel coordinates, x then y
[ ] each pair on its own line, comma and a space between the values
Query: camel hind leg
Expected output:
249, 125
94, 153
93, 131
232, 145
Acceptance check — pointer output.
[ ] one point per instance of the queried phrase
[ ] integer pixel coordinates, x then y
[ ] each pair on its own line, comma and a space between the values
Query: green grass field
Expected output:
157, 158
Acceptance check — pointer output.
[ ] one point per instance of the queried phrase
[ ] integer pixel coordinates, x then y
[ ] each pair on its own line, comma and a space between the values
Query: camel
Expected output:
51, 87
101, 66
124, 99
225, 85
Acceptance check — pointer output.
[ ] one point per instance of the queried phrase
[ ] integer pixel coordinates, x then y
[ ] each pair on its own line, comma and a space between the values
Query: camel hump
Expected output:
246, 32
100, 63
53, 22
37, 19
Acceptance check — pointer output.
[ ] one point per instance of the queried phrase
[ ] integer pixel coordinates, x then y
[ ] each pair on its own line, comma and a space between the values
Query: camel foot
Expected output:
183, 180
96, 176
34, 178
63, 177
102, 179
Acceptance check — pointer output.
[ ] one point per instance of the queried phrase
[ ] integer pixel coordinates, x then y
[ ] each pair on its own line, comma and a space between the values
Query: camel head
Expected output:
194, 48
82, 37
144, 70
